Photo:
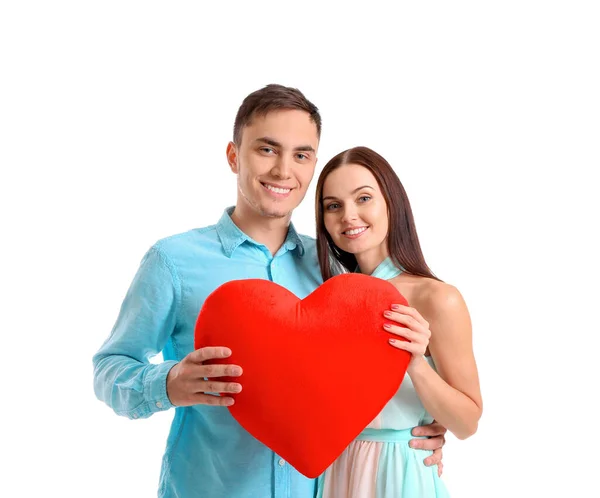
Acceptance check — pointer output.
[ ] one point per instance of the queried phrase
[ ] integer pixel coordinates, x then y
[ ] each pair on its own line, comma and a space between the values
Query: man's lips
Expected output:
278, 190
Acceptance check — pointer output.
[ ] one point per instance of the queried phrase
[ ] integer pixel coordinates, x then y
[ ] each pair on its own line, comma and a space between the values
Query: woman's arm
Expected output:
453, 397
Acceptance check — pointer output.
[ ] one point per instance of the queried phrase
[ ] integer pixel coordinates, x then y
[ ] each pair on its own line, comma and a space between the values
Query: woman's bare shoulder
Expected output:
430, 295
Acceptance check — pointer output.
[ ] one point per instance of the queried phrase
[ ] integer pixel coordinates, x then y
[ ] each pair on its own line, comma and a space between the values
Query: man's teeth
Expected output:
278, 190
355, 231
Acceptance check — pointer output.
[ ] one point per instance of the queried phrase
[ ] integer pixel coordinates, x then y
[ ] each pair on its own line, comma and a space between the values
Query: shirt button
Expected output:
281, 462
158, 404
135, 415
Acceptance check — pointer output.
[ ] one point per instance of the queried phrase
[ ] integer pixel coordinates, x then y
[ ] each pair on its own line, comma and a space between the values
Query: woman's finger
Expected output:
412, 347
402, 319
412, 312
404, 332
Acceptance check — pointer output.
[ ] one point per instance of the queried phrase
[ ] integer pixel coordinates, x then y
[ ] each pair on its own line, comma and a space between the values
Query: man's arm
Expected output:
124, 378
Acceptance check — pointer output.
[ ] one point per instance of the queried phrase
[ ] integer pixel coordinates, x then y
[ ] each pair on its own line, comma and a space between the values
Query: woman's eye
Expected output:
333, 205
364, 198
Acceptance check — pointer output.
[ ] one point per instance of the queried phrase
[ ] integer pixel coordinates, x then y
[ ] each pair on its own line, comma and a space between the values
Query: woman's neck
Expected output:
368, 261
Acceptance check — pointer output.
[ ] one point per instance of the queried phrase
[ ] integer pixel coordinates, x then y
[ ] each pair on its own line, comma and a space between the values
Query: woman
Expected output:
365, 223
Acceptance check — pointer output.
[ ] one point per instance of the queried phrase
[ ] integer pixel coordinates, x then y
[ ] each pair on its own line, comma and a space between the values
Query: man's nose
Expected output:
282, 168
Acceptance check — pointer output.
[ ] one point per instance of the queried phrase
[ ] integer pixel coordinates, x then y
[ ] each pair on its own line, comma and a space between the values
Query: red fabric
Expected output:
316, 371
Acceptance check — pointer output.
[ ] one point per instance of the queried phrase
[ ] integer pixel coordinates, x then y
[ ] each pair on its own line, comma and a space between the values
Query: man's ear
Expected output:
232, 157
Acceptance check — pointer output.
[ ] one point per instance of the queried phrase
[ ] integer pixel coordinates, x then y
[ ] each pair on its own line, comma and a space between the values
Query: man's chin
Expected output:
276, 209
276, 213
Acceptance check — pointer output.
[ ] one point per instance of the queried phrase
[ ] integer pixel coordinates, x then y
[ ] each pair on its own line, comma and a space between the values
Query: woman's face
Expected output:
355, 212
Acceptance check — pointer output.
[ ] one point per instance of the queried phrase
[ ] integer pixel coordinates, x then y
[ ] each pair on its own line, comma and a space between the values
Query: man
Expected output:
273, 154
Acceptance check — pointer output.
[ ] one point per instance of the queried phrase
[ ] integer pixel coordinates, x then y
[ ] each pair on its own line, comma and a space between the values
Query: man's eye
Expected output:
302, 156
267, 150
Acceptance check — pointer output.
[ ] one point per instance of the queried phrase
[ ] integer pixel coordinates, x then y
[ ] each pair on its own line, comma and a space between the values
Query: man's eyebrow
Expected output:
304, 148
275, 143
268, 141
354, 192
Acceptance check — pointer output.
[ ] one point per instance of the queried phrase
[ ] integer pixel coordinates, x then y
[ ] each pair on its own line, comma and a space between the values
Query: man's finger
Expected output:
431, 430
433, 443
209, 399
434, 459
212, 371
210, 386
210, 353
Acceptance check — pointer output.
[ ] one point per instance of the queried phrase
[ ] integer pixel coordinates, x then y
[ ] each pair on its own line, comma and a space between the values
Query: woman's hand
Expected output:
415, 330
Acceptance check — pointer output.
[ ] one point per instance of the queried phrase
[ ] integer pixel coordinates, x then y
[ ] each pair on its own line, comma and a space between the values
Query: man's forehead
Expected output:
283, 128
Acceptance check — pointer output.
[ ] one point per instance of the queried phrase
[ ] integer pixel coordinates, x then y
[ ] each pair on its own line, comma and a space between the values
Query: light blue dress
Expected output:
379, 463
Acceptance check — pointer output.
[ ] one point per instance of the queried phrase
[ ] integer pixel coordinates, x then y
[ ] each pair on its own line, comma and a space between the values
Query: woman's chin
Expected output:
352, 248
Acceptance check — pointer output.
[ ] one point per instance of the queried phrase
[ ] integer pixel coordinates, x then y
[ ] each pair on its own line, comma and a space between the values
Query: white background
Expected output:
114, 118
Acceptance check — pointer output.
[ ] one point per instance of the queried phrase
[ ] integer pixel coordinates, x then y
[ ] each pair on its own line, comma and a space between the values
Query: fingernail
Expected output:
237, 388
395, 307
412, 444
387, 326
392, 341
236, 372
229, 402
387, 314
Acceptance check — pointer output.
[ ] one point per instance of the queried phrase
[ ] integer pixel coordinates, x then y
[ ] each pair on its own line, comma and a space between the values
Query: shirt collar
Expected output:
232, 237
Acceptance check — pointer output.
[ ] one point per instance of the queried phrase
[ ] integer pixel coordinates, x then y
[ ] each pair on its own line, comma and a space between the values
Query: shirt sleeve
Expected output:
124, 378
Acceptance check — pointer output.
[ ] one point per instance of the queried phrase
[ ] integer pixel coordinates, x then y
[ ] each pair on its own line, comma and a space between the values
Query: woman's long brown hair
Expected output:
402, 240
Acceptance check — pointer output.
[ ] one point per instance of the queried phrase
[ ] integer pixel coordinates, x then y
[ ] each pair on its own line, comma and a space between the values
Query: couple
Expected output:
364, 223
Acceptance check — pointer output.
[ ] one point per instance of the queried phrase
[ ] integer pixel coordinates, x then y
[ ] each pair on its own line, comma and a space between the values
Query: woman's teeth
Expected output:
355, 231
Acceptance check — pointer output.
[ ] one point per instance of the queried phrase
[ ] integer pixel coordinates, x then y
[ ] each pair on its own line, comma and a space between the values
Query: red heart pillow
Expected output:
317, 371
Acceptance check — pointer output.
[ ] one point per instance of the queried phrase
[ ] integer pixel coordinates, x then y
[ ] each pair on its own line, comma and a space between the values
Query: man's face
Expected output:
275, 162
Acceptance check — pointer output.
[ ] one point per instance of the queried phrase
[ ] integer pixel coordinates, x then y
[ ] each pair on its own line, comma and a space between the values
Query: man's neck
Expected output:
270, 232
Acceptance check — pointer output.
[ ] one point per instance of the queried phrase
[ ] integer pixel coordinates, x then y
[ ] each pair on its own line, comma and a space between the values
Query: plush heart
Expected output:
317, 371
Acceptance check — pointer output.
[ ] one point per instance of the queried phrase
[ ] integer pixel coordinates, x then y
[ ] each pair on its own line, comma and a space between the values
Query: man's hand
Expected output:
435, 432
186, 385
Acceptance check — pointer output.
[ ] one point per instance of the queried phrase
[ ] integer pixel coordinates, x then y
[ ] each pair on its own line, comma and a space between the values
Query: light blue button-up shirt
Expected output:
208, 453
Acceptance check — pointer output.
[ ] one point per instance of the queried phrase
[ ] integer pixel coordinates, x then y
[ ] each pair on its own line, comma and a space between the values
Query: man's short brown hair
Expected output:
273, 98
